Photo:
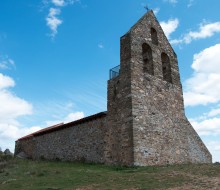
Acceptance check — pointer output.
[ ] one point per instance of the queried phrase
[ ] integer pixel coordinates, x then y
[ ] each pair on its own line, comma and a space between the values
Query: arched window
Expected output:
154, 37
148, 66
166, 67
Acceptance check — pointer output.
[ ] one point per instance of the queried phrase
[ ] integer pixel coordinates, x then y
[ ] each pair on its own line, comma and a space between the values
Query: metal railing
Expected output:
114, 72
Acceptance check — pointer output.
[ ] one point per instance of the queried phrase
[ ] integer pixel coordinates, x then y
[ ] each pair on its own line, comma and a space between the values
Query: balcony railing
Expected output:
114, 72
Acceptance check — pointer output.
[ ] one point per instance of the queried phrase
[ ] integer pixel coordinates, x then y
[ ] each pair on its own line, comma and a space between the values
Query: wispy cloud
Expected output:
53, 21
170, 26
59, 3
171, 1
214, 112
69, 118
156, 10
6, 62
205, 31
62, 3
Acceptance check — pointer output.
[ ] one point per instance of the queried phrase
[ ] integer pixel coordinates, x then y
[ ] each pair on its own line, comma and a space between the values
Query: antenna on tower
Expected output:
146, 7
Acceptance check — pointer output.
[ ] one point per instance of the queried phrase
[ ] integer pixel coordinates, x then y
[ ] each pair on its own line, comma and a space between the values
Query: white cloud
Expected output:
69, 118
58, 2
12, 107
171, 1
6, 62
204, 86
214, 147
53, 21
194, 99
214, 112
9, 133
207, 60
156, 10
209, 126
62, 3
170, 26
55, 10
6, 82
176, 41
74, 116
205, 31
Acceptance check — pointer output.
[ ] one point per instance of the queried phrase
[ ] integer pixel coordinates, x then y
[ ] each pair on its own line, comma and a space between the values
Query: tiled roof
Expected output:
61, 126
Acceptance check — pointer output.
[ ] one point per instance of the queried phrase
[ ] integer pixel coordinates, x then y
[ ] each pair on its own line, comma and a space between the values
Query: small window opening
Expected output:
154, 37
148, 66
166, 67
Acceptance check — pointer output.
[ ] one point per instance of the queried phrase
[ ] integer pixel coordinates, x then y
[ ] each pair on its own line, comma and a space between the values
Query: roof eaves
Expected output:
61, 126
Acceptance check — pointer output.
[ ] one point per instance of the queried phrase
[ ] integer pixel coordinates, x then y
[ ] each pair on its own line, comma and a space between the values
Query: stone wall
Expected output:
82, 142
26, 145
161, 132
119, 136
146, 117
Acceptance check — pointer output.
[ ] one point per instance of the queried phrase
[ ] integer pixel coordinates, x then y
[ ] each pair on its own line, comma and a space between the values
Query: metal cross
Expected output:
146, 7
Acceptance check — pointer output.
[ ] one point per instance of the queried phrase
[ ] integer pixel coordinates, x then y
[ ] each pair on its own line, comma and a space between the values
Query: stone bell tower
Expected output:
146, 118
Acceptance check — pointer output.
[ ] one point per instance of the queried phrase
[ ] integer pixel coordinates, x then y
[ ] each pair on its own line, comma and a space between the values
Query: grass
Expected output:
44, 175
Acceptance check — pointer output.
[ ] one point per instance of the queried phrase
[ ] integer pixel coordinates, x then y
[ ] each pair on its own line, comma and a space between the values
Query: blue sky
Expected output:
55, 57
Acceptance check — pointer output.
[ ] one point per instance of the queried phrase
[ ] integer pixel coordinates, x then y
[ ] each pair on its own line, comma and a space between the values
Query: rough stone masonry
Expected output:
145, 123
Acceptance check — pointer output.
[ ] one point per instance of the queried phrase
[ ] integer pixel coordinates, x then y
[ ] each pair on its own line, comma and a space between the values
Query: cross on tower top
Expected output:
146, 7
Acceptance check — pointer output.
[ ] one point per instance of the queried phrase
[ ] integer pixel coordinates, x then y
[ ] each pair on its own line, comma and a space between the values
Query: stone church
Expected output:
145, 122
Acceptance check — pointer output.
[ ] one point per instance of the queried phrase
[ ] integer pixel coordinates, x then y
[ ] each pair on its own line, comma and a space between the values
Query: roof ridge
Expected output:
60, 126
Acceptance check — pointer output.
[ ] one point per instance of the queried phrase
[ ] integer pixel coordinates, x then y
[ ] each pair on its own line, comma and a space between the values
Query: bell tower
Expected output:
146, 118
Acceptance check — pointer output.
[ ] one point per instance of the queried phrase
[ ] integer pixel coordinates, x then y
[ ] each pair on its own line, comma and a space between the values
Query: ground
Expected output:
36, 175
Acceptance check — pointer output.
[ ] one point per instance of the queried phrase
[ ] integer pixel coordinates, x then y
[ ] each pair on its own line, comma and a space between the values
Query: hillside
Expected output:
36, 175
